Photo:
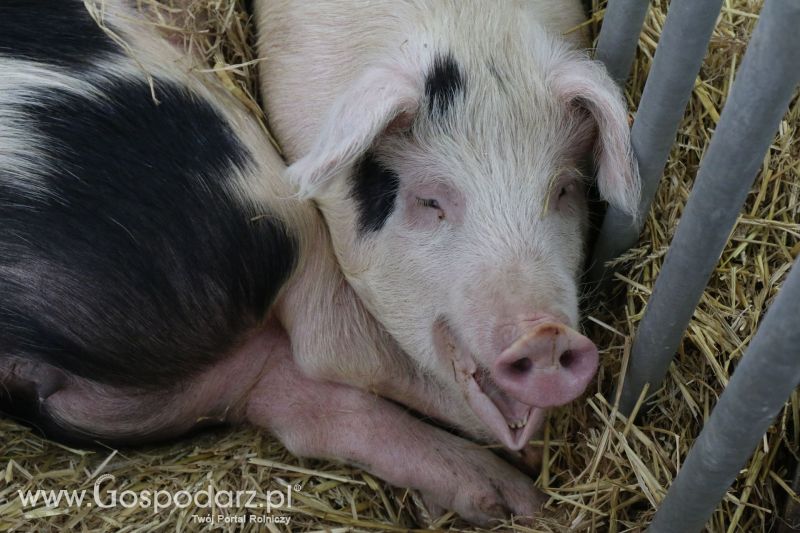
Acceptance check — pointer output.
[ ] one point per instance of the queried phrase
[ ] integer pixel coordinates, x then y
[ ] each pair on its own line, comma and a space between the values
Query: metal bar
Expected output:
619, 36
761, 384
760, 95
789, 521
680, 53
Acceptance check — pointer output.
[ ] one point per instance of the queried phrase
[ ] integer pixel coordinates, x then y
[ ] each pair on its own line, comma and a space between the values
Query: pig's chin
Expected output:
512, 422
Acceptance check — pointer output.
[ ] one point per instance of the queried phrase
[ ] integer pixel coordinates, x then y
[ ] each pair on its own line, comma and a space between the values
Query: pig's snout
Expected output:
547, 365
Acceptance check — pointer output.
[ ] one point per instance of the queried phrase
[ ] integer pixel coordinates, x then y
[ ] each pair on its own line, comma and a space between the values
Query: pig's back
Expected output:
131, 253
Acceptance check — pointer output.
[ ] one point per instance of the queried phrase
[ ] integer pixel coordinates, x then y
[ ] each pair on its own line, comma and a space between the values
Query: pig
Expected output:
161, 270
448, 145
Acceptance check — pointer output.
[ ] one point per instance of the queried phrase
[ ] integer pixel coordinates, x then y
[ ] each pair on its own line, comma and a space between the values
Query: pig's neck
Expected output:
335, 338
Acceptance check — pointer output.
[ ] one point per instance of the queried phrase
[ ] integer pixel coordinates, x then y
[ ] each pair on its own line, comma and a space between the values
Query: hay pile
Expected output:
603, 472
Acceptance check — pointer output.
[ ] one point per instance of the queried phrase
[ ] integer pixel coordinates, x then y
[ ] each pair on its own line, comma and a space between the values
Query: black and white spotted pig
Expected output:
157, 272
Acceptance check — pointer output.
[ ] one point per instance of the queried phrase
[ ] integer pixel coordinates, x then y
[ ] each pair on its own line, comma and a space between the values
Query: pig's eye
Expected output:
431, 203
428, 202
566, 195
567, 189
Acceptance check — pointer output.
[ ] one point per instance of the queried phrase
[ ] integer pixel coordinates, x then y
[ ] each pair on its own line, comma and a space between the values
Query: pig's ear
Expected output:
585, 84
382, 99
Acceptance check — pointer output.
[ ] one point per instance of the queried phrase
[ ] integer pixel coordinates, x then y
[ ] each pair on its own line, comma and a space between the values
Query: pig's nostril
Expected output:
521, 366
567, 359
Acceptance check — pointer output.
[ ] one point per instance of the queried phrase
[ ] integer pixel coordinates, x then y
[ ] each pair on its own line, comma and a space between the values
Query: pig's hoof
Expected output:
500, 500
506, 492
426, 510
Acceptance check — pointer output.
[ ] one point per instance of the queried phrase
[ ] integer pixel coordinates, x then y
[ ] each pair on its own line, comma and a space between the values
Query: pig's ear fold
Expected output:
382, 99
586, 85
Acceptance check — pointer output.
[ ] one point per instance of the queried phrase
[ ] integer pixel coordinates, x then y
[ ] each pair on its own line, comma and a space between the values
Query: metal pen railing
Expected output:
758, 99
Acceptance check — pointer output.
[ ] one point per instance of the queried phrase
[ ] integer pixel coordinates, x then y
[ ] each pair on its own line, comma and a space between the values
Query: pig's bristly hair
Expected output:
58, 32
139, 213
127, 253
444, 82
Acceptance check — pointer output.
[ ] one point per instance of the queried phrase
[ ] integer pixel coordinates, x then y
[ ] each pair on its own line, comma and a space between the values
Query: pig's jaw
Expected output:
512, 422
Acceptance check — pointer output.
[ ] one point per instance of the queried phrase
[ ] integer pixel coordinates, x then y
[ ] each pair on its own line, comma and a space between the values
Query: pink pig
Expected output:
446, 145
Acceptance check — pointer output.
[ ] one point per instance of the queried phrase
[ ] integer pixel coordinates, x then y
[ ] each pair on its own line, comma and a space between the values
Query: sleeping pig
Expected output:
160, 271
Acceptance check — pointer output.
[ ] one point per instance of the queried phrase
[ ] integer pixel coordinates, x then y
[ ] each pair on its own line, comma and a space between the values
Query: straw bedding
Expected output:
603, 472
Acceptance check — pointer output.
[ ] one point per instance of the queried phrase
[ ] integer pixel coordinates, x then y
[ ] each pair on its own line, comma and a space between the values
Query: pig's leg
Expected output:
322, 419
68, 407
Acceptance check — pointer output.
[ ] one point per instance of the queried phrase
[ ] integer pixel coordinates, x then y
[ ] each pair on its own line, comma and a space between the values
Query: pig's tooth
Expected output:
519, 424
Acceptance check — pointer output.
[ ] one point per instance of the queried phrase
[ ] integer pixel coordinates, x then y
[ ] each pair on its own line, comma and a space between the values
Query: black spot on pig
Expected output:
140, 265
374, 188
59, 32
443, 84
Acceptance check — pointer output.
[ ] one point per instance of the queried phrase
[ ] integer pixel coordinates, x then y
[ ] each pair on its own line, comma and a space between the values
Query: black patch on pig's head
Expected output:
444, 82
140, 265
374, 188
59, 32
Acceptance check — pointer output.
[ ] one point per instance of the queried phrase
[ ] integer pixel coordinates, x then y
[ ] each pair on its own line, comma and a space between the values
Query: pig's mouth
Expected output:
512, 422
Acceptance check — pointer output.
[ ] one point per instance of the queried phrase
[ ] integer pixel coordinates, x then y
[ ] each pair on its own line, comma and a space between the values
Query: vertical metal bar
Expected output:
789, 521
760, 95
619, 36
761, 384
680, 53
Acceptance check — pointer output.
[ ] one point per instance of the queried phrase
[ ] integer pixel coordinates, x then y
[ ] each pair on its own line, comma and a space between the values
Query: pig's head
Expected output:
453, 185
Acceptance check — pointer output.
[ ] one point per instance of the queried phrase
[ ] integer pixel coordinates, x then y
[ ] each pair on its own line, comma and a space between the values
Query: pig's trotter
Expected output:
322, 419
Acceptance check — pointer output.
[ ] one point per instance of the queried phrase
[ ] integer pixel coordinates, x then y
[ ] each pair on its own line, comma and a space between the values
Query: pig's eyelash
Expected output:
428, 202
433, 204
